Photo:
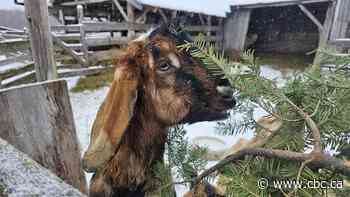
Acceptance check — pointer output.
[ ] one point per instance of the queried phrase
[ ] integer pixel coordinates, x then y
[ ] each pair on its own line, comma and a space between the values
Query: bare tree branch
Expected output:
312, 125
318, 160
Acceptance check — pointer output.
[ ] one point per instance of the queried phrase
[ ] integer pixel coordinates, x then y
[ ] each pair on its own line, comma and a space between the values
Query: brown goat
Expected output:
155, 86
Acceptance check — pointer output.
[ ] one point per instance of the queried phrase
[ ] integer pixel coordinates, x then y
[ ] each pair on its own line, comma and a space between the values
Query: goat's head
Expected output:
166, 83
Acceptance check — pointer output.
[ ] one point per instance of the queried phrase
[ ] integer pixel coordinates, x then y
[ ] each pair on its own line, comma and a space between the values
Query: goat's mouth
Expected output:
217, 108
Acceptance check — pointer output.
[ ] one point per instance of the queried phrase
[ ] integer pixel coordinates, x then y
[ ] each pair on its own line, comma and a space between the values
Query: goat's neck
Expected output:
145, 131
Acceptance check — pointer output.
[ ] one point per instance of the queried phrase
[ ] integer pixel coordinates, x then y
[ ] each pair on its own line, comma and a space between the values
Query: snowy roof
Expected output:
216, 7
208, 7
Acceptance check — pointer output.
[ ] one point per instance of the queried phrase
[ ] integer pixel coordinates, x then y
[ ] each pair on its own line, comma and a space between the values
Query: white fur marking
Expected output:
174, 60
143, 37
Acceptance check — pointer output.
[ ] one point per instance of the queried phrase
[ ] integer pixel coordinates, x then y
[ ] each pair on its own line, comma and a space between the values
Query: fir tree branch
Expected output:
318, 160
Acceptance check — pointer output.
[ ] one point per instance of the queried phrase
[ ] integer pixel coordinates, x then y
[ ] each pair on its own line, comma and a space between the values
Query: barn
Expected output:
283, 26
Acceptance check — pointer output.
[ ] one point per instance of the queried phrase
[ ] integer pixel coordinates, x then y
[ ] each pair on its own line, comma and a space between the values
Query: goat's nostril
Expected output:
225, 91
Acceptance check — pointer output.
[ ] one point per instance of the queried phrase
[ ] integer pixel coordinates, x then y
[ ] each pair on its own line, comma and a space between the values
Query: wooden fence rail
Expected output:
78, 38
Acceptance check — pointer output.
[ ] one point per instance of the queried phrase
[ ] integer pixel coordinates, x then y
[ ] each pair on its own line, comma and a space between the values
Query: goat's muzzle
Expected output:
227, 94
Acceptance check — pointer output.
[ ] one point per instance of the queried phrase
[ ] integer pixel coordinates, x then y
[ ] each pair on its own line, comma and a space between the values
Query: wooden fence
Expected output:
79, 41
79, 38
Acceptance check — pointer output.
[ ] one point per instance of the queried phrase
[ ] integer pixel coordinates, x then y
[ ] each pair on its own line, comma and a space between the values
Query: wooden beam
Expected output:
15, 59
209, 25
280, 3
131, 18
342, 42
81, 2
341, 20
84, 46
201, 19
312, 18
121, 10
62, 44
143, 17
325, 35
236, 29
83, 72
38, 120
61, 17
40, 38
164, 17
173, 14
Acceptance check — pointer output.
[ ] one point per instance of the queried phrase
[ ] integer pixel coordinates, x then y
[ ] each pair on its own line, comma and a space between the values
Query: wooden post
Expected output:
209, 25
325, 34
40, 39
84, 45
173, 14
162, 14
341, 20
120, 8
131, 18
236, 29
61, 17
38, 120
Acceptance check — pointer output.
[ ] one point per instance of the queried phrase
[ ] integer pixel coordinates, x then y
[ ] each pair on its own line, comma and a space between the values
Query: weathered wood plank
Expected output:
131, 18
325, 35
84, 47
113, 26
81, 2
344, 42
21, 176
83, 72
68, 28
41, 42
236, 29
121, 10
312, 17
107, 41
15, 59
38, 120
342, 19
281, 3
71, 52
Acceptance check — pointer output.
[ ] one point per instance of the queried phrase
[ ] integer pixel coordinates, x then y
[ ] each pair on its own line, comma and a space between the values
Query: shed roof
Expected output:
219, 7
209, 7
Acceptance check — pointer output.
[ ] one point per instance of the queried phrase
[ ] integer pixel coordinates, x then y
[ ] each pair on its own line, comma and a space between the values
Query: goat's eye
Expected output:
164, 67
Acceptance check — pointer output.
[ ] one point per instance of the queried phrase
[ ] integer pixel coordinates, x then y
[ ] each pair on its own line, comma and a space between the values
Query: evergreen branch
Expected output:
269, 127
301, 169
319, 160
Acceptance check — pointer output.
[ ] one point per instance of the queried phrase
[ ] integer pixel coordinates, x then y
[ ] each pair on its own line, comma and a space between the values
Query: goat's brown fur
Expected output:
155, 86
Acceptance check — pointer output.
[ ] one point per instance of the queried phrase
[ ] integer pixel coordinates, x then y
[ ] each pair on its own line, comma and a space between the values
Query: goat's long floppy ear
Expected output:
112, 118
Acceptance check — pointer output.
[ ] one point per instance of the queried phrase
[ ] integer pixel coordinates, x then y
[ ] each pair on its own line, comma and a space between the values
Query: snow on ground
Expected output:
2, 57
